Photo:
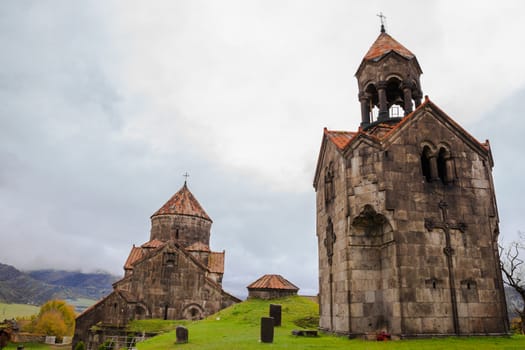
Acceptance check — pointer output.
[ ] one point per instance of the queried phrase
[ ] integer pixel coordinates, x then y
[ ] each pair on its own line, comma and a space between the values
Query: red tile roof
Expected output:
340, 138
385, 44
216, 262
183, 203
273, 282
155, 243
198, 247
135, 254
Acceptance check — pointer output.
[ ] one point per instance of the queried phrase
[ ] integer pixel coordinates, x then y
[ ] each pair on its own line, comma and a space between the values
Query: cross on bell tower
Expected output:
186, 175
383, 21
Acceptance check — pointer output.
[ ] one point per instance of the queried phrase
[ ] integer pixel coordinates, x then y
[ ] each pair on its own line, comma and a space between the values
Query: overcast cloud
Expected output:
105, 104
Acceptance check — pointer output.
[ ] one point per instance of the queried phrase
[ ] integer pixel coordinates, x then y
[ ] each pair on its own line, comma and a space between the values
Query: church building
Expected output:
173, 276
407, 223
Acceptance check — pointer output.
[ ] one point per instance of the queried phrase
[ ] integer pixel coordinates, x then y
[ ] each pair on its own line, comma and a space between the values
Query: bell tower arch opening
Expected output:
388, 80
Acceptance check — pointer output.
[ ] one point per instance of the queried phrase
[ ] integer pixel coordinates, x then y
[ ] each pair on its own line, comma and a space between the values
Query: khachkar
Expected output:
407, 223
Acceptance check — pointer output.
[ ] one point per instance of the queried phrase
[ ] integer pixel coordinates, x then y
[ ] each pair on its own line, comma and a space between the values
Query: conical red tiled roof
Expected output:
182, 203
385, 44
273, 282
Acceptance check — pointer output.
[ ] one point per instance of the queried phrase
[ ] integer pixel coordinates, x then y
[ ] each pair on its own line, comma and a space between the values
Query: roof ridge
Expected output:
183, 202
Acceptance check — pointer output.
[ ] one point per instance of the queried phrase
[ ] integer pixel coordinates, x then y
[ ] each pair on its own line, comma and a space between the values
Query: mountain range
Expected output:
38, 286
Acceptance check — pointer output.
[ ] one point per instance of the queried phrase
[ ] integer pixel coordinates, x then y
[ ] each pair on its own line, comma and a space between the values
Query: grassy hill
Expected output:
238, 327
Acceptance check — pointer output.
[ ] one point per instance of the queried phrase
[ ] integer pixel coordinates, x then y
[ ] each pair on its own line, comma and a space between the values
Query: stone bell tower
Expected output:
407, 222
388, 75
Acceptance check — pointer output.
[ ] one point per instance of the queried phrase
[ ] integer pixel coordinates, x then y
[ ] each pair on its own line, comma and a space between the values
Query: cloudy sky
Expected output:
105, 104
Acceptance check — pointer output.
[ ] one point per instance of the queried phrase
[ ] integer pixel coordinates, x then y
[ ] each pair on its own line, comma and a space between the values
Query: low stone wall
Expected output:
22, 337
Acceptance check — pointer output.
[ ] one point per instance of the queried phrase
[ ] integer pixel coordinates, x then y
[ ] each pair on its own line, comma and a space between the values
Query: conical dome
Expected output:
183, 203
385, 44
181, 219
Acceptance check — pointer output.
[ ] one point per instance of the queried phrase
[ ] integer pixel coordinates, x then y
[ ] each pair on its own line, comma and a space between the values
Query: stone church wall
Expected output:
370, 250
390, 269
183, 228
425, 280
112, 310
169, 282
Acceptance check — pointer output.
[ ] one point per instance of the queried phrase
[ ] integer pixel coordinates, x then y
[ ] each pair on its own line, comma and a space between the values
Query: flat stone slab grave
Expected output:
305, 332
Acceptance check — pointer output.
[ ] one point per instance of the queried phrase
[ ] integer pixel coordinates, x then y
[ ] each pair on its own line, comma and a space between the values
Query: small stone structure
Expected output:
271, 287
173, 276
407, 223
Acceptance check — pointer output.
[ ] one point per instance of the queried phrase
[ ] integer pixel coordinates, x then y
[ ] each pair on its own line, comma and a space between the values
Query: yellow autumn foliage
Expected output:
56, 317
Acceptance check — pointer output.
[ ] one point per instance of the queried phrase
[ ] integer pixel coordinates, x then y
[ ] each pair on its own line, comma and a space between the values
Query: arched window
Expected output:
445, 166
329, 189
425, 163
437, 164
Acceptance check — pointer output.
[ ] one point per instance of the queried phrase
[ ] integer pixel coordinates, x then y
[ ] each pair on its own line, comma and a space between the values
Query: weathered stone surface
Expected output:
414, 218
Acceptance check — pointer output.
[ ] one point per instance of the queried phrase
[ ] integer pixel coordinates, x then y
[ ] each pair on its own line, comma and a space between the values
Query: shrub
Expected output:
515, 325
307, 322
80, 346
107, 345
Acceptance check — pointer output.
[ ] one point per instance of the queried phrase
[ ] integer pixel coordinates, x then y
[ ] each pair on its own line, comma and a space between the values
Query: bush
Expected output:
80, 346
515, 325
107, 345
307, 322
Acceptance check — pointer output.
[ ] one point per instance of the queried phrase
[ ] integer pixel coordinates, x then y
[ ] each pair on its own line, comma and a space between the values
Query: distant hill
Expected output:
36, 287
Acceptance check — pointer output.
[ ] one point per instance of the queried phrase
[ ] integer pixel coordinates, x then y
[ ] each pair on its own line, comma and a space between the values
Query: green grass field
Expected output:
9, 311
238, 327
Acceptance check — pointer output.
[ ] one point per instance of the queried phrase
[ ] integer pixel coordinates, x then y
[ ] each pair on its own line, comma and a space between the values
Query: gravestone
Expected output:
267, 329
275, 312
182, 334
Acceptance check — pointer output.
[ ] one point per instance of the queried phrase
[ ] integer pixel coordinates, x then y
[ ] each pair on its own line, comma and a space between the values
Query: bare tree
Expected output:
513, 268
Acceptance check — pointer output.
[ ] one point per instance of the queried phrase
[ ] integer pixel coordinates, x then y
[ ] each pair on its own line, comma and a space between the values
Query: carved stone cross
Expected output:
446, 226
